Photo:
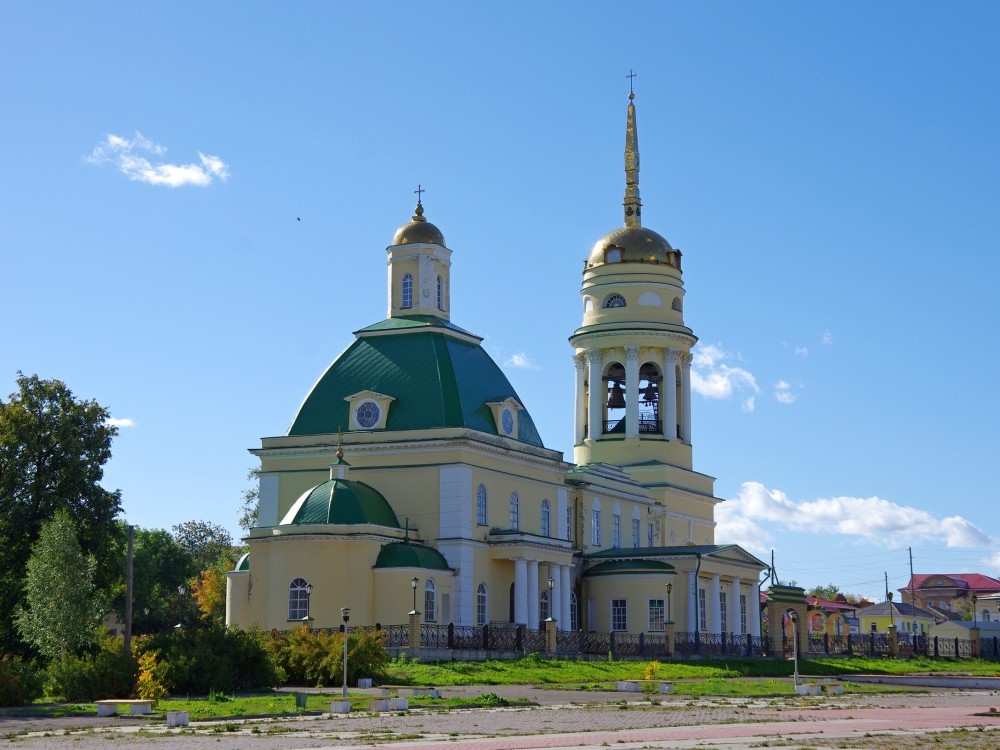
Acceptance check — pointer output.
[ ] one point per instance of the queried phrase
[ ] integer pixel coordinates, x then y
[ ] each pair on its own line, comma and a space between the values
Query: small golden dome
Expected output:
419, 230
638, 245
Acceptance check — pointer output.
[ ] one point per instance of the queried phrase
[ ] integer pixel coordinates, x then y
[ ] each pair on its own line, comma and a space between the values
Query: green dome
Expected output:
341, 501
244, 563
406, 555
438, 375
629, 567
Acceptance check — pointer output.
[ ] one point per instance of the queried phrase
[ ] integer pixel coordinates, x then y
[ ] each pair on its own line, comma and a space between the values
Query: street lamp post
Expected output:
975, 615
551, 584
794, 617
180, 608
346, 612
670, 587
413, 585
892, 619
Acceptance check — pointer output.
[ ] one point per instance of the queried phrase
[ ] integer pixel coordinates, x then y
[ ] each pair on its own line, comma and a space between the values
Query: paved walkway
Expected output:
567, 719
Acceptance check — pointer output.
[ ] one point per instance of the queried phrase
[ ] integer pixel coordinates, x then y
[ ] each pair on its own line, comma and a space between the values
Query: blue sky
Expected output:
830, 173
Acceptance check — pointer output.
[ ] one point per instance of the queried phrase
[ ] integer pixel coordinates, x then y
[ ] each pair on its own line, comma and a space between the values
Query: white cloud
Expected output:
862, 519
712, 378
115, 422
827, 339
783, 392
522, 361
801, 351
125, 155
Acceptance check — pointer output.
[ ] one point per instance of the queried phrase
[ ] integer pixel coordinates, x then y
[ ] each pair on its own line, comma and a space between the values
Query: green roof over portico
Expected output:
630, 567
406, 555
341, 501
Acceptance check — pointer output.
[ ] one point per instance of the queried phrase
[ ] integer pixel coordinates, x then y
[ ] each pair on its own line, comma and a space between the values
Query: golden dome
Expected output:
638, 245
419, 230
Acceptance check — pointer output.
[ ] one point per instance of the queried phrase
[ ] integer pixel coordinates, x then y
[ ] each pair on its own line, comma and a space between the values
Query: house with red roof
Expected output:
948, 594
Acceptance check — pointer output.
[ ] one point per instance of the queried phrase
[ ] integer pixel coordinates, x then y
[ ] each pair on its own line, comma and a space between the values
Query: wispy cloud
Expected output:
801, 351
713, 378
827, 339
785, 393
744, 520
130, 157
116, 422
522, 361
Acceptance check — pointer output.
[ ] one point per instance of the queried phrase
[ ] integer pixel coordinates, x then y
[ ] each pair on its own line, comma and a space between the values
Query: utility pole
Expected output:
128, 592
913, 603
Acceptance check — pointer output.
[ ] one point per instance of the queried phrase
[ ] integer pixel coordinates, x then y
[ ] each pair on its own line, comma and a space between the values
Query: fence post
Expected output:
957, 653
996, 655
414, 631
749, 645
871, 644
723, 644
826, 643
850, 645
612, 643
486, 637
451, 635
579, 647
519, 638
935, 647
642, 644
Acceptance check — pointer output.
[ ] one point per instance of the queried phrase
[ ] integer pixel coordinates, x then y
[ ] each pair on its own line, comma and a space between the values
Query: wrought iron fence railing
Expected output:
397, 636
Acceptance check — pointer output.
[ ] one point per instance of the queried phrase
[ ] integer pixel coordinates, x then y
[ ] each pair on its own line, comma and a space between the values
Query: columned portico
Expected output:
669, 394
631, 391
595, 408
521, 591
735, 619
533, 617
714, 611
753, 610
565, 602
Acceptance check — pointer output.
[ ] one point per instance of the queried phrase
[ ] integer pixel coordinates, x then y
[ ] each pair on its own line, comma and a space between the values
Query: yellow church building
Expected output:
413, 479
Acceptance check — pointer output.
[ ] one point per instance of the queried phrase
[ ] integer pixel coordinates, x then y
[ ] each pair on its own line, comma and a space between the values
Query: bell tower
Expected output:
633, 350
419, 269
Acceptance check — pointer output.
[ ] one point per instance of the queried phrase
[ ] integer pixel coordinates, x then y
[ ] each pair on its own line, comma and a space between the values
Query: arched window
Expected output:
298, 599
574, 613
543, 606
615, 300
515, 511
408, 290
430, 601
481, 608
676, 304
546, 519
440, 294
481, 504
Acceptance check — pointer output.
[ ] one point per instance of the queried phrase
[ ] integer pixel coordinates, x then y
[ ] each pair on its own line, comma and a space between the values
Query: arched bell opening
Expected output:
650, 398
614, 404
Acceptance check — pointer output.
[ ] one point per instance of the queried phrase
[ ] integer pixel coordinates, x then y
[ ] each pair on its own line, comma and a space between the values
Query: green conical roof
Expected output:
341, 501
438, 376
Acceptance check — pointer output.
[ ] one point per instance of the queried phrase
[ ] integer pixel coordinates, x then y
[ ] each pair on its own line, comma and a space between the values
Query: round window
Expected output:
367, 414
507, 421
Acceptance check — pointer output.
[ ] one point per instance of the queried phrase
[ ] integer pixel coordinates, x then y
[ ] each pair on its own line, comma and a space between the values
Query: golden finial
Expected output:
340, 445
418, 212
633, 206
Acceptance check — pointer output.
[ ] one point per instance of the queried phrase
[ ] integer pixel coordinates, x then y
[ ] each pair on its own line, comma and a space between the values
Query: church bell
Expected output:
616, 397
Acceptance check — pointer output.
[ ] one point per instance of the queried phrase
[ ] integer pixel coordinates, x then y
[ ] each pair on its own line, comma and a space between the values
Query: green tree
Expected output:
828, 592
249, 512
53, 448
63, 609
208, 544
159, 566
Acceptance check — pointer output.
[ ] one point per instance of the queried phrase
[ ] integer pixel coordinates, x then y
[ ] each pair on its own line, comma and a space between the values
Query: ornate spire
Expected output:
633, 206
418, 212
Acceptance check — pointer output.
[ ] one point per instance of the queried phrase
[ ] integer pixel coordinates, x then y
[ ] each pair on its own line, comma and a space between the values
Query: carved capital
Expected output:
670, 357
594, 356
578, 362
632, 353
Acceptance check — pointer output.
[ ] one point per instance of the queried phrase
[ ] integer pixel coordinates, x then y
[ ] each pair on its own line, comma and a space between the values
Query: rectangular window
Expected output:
743, 614
657, 615
616, 530
723, 612
649, 535
481, 500
619, 615
702, 611
635, 533
595, 528
569, 524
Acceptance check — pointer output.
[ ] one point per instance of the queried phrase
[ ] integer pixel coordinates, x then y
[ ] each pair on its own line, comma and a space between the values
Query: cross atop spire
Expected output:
418, 212
631, 77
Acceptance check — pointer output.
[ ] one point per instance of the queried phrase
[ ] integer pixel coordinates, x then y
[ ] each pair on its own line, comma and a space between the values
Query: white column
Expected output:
521, 592
631, 391
533, 594
552, 571
734, 607
581, 401
714, 616
686, 398
565, 589
668, 395
595, 407
753, 610
692, 601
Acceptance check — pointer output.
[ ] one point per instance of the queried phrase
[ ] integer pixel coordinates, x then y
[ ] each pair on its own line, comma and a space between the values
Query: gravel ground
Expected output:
571, 719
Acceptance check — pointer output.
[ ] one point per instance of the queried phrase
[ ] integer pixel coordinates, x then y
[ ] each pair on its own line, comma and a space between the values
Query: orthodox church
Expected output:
413, 478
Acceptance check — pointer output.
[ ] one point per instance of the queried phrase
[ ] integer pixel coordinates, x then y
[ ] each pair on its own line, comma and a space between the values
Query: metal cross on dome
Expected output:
631, 76
419, 191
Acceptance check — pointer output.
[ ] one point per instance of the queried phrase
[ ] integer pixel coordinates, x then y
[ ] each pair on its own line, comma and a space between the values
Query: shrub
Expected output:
652, 671
20, 682
108, 673
316, 657
150, 686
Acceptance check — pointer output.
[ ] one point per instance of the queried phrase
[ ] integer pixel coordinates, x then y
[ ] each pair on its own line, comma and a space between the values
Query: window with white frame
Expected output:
408, 290
616, 530
543, 606
657, 615
430, 600
635, 533
515, 511
482, 502
569, 523
619, 615
546, 516
702, 610
481, 604
743, 614
595, 528
724, 611
649, 535
298, 599
574, 612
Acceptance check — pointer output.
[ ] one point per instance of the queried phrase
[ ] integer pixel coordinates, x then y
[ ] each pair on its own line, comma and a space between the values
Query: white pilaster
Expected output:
692, 601
533, 594
686, 398
631, 391
565, 589
460, 554
734, 607
580, 431
668, 393
521, 591
595, 407
714, 615
267, 500
456, 503
559, 522
753, 610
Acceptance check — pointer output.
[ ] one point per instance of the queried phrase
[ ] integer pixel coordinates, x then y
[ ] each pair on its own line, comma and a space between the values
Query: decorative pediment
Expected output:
369, 410
505, 416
